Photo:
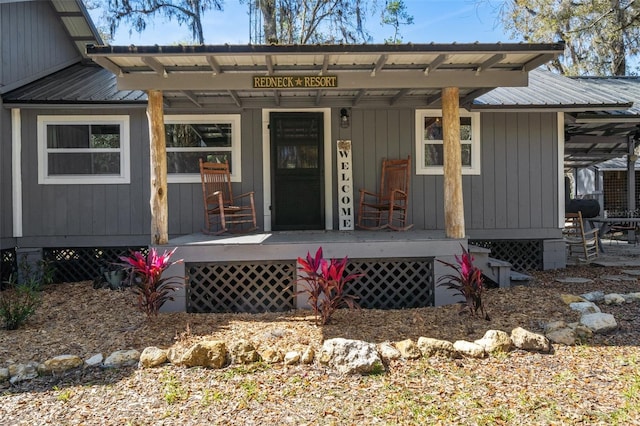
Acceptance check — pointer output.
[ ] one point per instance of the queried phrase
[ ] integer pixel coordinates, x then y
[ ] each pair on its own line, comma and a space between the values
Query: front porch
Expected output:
258, 272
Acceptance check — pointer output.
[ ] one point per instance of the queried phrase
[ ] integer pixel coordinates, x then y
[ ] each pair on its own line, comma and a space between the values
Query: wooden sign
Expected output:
294, 81
345, 186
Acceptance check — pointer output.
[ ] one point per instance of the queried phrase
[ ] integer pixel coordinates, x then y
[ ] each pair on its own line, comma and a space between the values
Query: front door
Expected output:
297, 190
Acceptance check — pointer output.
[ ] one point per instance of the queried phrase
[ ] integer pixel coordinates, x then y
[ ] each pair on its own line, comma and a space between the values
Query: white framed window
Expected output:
212, 137
83, 149
429, 143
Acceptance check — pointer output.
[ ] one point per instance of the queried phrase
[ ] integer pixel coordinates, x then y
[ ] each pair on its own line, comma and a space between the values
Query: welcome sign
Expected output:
294, 81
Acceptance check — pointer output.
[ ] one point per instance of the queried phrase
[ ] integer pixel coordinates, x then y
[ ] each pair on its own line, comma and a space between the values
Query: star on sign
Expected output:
298, 81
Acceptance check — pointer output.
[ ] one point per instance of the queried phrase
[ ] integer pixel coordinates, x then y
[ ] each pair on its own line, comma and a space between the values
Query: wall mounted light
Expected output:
344, 118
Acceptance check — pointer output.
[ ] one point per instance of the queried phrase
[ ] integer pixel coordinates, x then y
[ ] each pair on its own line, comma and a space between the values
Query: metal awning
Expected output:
76, 21
224, 76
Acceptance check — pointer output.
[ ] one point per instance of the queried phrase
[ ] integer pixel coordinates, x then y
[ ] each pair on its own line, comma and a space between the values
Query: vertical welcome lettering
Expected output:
345, 186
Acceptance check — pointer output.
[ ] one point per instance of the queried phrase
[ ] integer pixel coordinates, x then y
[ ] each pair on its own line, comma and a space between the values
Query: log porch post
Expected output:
158, 169
453, 203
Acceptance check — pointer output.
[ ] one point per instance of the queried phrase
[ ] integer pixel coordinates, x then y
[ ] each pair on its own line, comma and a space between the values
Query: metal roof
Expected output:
77, 22
77, 84
221, 76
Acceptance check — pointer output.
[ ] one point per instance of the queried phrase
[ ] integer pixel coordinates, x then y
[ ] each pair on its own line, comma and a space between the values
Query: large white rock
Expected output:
614, 299
292, 358
59, 364
152, 357
495, 341
469, 349
122, 358
600, 322
350, 356
408, 349
308, 355
388, 352
529, 341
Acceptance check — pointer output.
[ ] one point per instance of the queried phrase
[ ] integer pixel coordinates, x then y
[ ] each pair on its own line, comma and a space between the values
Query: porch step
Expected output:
498, 271
518, 278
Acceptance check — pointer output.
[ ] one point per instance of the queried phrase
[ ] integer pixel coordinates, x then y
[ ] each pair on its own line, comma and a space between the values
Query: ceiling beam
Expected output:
325, 64
235, 98
381, 61
107, 64
269, 63
358, 97
491, 62
192, 97
155, 65
469, 98
401, 93
439, 60
537, 61
276, 97
318, 97
215, 67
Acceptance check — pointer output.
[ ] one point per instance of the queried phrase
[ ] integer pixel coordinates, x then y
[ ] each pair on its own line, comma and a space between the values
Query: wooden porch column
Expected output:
453, 205
158, 169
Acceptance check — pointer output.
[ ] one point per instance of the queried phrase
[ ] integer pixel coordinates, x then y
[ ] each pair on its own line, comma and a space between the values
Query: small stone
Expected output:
495, 341
585, 307
350, 356
122, 358
243, 352
4, 374
94, 361
614, 299
574, 280
152, 357
435, 347
22, 372
208, 353
594, 296
308, 355
291, 358
388, 352
599, 323
59, 364
555, 325
272, 356
408, 349
634, 272
633, 297
571, 298
469, 349
565, 336
528, 341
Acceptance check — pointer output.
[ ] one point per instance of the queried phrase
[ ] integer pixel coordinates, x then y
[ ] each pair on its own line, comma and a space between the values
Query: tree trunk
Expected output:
453, 204
158, 169
268, 9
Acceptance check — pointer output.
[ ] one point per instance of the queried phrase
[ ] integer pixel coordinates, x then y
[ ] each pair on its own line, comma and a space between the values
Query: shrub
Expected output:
468, 283
146, 278
17, 303
112, 277
325, 282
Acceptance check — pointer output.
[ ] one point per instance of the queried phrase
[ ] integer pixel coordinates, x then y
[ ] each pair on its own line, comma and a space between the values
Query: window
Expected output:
429, 148
83, 149
210, 137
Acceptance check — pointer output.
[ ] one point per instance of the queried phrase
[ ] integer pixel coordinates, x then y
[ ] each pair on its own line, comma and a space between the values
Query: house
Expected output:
83, 135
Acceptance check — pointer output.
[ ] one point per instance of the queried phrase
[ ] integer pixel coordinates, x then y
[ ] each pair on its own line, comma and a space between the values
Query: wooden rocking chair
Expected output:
581, 244
387, 208
222, 211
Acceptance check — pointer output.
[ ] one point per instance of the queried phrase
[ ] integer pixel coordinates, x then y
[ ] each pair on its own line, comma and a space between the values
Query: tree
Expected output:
136, 13
395, 14
599, 34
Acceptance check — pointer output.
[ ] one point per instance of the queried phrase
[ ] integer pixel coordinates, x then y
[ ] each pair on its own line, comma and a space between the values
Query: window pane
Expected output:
188, 162
198, 135
67, 136
433, 128
434, 155
465, 128
105, 136
84, 163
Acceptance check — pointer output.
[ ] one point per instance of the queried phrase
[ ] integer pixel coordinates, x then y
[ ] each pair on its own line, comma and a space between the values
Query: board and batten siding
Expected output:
33, 43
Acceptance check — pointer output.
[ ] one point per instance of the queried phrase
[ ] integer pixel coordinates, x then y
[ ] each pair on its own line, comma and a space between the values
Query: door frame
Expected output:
328, 163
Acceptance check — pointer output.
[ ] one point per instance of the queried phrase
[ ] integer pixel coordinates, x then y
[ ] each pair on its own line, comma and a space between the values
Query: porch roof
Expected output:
222, 76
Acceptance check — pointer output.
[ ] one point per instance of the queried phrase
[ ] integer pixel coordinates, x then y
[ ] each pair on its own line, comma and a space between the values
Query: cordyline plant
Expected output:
468, 283
325, 282
146, 277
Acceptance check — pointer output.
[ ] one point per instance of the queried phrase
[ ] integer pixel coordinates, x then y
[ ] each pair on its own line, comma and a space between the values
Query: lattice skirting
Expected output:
270, 286
83, 263
524, 255
8, 266
241, 286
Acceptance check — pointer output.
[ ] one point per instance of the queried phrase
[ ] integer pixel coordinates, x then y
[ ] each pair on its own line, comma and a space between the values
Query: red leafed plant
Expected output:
325, 282
468, 283
146, 276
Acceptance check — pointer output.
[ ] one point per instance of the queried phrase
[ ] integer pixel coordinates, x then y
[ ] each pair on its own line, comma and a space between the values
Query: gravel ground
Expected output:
594, 383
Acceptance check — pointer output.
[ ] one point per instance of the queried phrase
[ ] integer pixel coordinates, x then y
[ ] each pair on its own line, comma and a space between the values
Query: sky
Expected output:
437, 21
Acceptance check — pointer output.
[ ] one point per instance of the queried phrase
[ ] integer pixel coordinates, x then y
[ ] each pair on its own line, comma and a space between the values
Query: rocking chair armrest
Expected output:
215, 198
245, 195
403, 194
364, 192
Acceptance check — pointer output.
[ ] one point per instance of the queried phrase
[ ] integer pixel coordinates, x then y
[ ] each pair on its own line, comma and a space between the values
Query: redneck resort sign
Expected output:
294, 81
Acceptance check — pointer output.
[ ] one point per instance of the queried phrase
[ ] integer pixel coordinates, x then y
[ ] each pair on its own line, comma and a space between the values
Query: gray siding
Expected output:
33, 43
6, 214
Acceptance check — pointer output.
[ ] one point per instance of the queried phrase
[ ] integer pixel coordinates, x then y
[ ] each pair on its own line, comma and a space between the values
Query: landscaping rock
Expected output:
565, 336
469, 349
388, 352
59, 364
434, 347
585, 307
243, 352
614, 299
529, 341
574, 280
350, 356
632, 297
208, 353
94, 361
594, 296
571, 298
495, 341
122, 358
4, 374
408, 349
22, 372
308, 355
152, 357
291, 358
599, 323
272, 356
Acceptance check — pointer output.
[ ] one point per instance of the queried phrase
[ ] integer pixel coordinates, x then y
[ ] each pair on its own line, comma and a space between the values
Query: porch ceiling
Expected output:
222, 76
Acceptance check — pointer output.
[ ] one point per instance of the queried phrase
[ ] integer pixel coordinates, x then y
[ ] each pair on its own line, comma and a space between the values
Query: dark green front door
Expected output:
297, 190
